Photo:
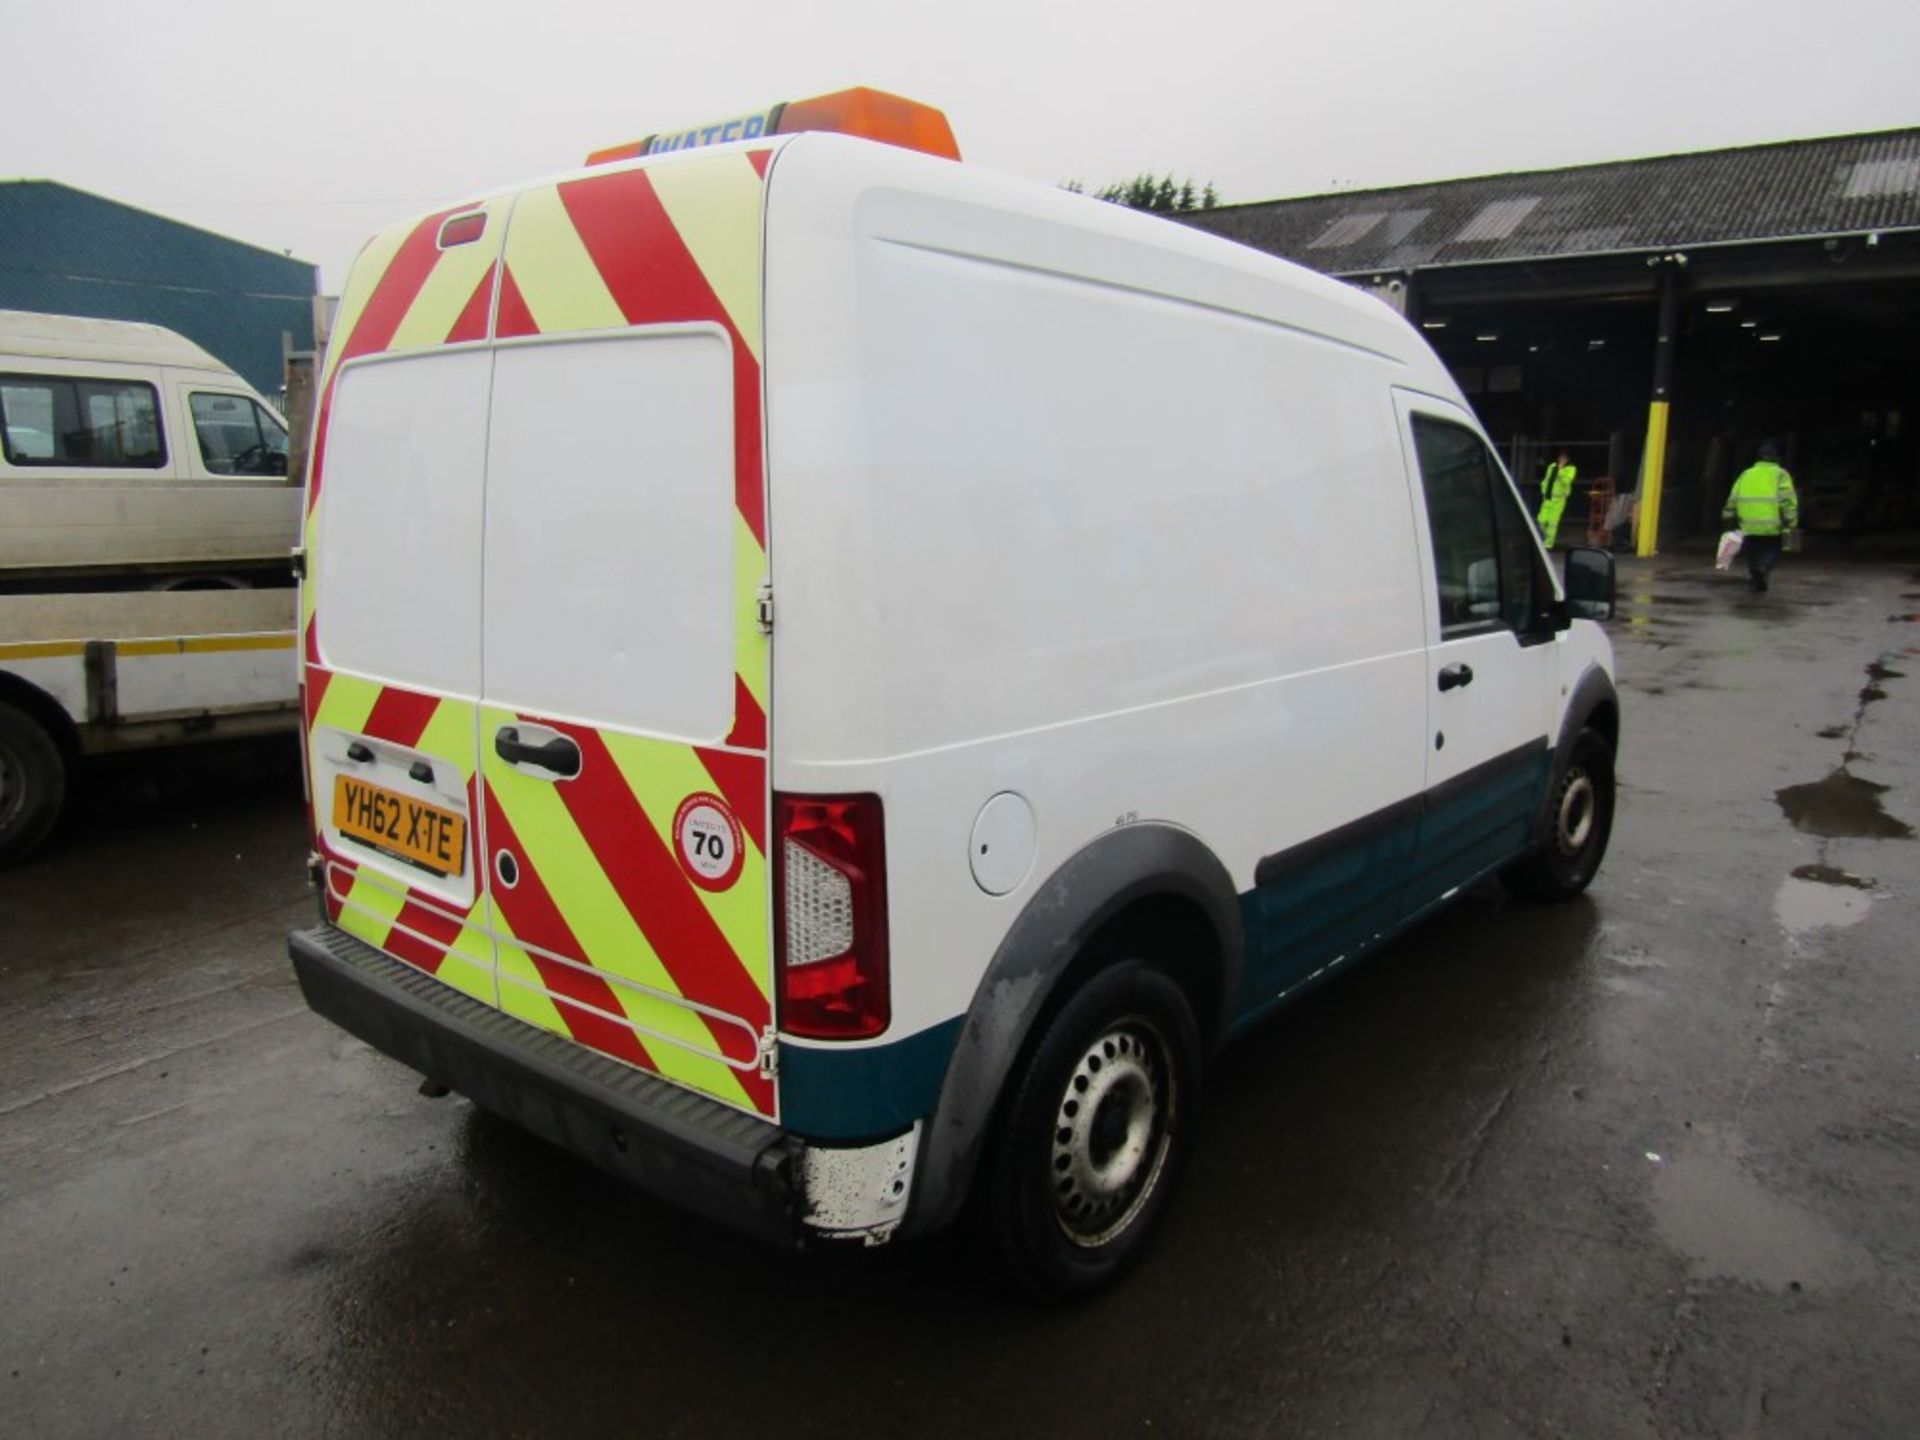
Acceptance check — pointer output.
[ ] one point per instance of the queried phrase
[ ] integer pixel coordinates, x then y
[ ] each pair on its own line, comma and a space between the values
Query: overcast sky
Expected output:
306, 124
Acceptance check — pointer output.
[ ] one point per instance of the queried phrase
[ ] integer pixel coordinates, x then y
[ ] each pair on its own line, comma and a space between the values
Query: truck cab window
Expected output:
55, 420
237, 436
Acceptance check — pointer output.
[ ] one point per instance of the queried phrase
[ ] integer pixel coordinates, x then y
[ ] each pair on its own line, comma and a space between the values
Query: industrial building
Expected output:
67, 252
1661, 317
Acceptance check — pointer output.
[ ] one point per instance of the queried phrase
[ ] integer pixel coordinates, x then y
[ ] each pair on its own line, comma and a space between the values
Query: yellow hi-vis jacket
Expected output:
1762, 501
1555, 487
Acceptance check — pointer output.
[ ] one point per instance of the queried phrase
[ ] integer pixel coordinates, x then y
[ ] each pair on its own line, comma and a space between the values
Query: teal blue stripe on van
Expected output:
1480, 821
866, 1092
1325, 900
1323, 904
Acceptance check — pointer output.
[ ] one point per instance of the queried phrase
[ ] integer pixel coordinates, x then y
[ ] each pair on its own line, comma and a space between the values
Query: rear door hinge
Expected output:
770, 1053
297, 558
765, 605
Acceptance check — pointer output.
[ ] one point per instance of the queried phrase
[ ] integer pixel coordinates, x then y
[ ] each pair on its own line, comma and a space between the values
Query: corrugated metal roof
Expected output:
67, 252
1840, 185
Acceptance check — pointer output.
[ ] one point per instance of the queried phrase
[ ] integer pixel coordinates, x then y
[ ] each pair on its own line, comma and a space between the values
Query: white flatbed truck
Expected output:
90, 674
146, 524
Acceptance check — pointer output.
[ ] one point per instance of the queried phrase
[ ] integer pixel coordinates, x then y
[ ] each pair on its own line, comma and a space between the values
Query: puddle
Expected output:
1879, 670
1638, 960
1809, 900
1841, 806
1712, 1211
1627, 985
1871, 693
1830, 875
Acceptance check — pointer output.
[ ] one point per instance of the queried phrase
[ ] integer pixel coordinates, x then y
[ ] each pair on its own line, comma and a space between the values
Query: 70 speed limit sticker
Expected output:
707, 839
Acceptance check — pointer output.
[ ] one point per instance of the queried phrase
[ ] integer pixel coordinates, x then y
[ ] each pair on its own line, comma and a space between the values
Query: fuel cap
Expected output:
1001, 851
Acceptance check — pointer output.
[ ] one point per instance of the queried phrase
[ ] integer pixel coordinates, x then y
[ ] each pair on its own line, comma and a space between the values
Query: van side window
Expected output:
237, 436
1484, 559
1466, 548
63, 420
1525, 590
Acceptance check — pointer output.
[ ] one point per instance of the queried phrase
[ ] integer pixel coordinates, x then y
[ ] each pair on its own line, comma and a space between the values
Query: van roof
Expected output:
1353, 316
77, 337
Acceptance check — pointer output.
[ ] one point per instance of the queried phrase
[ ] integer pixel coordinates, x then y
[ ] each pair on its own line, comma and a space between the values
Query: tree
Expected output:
1161, 194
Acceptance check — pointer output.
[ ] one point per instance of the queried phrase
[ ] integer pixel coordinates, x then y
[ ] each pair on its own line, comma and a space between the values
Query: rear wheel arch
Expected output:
1151, 892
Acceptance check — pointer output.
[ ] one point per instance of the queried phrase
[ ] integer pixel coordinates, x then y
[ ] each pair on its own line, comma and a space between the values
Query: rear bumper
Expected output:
670, 1142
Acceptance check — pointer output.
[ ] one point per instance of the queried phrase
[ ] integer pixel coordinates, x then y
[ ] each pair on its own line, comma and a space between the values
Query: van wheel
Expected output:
33, 784
1579, 824
1095, 1135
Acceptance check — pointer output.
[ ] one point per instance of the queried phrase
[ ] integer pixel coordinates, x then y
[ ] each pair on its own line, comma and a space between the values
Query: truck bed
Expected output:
134, 668
144, 614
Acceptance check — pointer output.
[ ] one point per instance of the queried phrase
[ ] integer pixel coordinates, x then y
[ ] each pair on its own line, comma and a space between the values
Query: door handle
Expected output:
560, 755
1454, 676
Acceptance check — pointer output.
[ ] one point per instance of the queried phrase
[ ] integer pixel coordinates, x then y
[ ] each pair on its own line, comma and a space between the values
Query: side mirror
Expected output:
1590, 584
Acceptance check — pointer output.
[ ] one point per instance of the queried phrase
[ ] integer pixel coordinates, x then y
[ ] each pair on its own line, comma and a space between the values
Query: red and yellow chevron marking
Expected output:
668, 243
603, 937
408, 922
634, 940
404, 293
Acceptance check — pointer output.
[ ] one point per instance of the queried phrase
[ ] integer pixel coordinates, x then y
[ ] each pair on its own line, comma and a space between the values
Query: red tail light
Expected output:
830, 915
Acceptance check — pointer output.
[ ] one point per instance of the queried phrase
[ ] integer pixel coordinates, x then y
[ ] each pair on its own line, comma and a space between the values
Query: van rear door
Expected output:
622, 725
390, 606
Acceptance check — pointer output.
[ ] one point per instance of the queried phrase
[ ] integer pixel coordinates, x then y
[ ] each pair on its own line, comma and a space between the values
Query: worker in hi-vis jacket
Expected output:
1763, 504
1555, 487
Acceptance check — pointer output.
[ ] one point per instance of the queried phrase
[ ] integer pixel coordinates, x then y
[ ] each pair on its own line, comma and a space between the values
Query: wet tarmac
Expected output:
1644, 1164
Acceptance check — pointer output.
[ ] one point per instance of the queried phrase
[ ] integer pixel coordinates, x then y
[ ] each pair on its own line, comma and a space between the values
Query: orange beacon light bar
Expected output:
872, 114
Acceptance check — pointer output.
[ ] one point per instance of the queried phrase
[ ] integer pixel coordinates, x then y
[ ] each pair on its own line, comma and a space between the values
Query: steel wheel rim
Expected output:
1579, 806
1112, 1131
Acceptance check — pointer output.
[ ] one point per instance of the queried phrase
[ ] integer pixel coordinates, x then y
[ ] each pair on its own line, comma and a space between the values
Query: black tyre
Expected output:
1579, 824
1094, 1135
33, 784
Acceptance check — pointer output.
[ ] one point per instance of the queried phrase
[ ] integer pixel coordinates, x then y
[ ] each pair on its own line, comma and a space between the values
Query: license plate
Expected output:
400, 826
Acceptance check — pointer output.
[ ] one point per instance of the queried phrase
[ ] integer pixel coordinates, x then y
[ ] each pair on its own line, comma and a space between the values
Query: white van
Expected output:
837, 678
127, 450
